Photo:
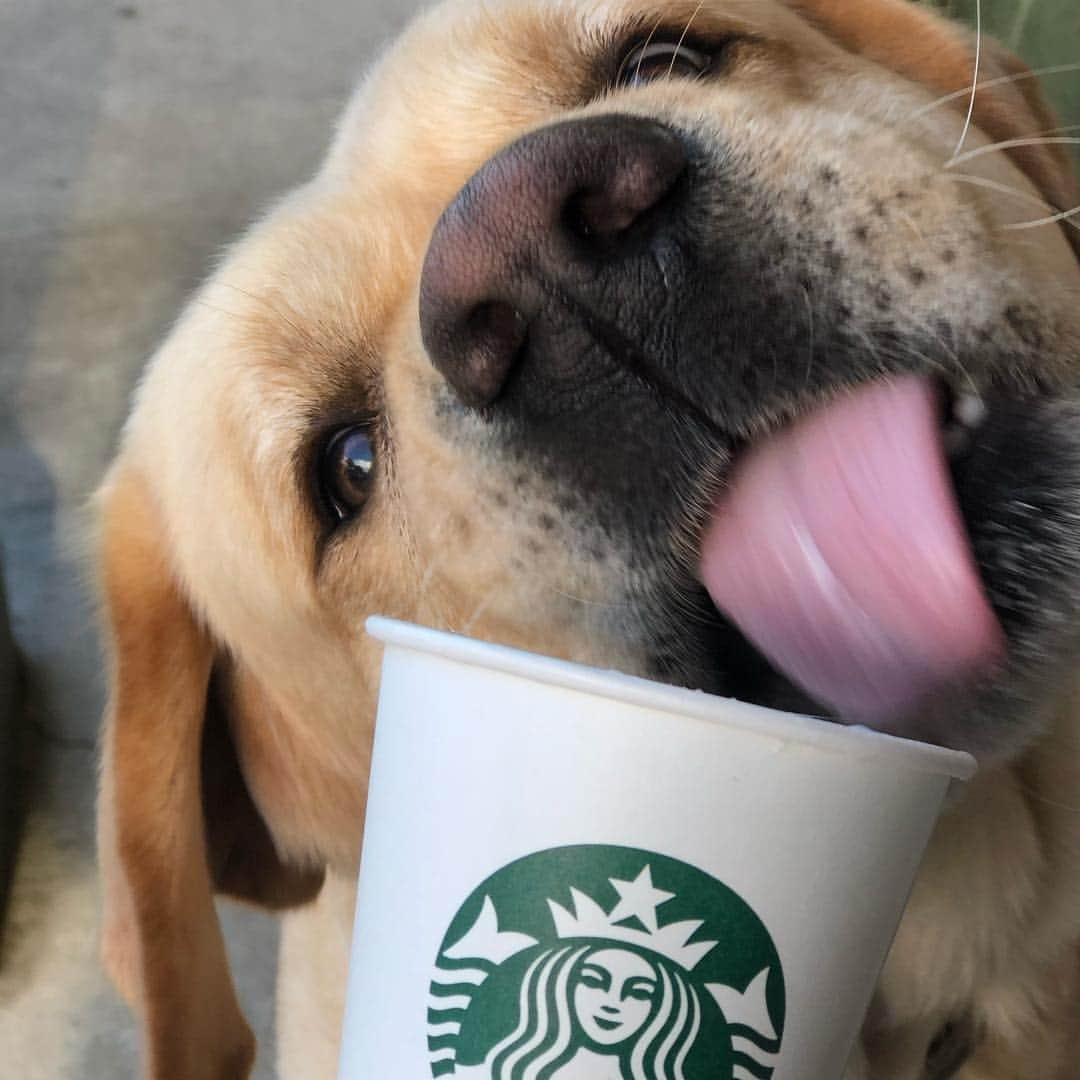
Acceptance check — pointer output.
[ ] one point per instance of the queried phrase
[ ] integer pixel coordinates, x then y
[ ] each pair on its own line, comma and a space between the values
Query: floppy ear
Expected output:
173, 811
923, 46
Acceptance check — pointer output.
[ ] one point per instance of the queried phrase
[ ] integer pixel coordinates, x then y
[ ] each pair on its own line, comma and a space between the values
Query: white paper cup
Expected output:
571, 874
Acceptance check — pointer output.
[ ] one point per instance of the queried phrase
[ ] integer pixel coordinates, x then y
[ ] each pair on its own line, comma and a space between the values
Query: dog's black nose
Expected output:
568, 199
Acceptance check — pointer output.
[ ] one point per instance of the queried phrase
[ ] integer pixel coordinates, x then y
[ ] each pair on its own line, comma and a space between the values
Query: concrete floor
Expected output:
138, 136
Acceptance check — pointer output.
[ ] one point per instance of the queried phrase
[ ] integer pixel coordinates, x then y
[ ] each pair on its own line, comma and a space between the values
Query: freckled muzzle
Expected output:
630, 313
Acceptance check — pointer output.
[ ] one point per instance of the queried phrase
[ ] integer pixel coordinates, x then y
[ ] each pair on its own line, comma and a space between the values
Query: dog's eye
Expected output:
347, 470
651, 60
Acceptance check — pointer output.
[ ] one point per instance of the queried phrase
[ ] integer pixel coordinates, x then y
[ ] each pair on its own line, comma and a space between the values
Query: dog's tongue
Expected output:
840, 552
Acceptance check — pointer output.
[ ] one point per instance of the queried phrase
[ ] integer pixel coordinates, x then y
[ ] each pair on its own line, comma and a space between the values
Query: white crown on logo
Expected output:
637, 899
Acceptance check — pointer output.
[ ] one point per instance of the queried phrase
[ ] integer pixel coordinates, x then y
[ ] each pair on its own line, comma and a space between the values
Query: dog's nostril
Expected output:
624, 197
592, 213
492, 340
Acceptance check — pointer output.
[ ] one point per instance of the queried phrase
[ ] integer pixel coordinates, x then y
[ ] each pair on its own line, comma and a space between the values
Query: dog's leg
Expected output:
901, 1053
311, 983
1038, 1060
1032, 1027
858, 1068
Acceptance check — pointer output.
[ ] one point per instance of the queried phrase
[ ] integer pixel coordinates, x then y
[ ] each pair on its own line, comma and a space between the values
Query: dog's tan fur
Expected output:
210, 557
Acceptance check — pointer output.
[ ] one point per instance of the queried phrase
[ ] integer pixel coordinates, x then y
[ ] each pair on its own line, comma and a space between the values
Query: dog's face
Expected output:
677, 338
686, 226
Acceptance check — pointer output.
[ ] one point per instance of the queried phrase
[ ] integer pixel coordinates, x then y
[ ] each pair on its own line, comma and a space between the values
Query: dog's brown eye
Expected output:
652, 60
346, 471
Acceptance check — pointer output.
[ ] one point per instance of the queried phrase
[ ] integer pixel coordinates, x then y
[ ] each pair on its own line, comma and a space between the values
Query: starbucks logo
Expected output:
605, 963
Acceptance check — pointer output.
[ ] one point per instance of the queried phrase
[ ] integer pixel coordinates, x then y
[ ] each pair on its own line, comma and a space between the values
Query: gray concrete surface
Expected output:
10, 726
136, 136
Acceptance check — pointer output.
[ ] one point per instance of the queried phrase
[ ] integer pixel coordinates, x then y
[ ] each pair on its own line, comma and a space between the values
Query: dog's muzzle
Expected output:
671, 338
563, 204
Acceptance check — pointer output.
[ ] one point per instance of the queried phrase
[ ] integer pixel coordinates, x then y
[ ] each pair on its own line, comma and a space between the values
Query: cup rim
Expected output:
852, 740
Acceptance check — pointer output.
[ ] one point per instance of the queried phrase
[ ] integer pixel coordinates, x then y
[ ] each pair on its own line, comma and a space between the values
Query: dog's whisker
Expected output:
974, 82
276, 310
622, 604
995, 185
1064, 217
482, 605
682, 38
645, 48
425, 588
1061, 129
1012, 144
200, 302
1034, 796
1024, 9
913, 225
808, 374
989, 84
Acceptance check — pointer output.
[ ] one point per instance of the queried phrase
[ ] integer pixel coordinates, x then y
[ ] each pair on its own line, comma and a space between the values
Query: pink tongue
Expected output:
840, 552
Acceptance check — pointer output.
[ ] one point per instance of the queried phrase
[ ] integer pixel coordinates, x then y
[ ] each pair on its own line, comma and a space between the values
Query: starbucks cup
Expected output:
572, 874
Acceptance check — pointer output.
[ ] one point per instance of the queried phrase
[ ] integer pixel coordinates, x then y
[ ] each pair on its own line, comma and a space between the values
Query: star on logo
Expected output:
639, 899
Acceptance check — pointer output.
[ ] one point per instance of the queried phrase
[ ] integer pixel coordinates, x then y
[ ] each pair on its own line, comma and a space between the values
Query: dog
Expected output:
538, 356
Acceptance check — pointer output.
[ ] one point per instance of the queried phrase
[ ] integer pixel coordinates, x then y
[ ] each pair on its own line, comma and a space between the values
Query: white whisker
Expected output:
1059, 130
1031, 793
1012, 144
1063, 217
682, 38
645, 48
974, 82
615, 604
482, 605
913, 225
1024, 9
1055, 217
807, 375
274, 309
1001, 189
199, 302
989, 84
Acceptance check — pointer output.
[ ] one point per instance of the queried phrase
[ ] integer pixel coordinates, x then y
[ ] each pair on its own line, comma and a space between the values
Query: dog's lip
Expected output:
867, 598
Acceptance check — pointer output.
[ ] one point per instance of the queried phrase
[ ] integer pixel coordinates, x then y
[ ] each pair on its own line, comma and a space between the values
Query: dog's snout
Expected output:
574, 195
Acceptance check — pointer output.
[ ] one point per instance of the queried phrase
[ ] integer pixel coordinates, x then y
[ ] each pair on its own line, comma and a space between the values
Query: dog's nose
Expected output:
576, 195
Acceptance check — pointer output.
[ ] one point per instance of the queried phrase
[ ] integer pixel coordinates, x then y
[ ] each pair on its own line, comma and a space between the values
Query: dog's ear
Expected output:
175, 821
162, 943
925, 47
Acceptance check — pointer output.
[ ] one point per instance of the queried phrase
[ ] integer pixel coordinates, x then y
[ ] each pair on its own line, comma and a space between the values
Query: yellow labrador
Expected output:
716, 342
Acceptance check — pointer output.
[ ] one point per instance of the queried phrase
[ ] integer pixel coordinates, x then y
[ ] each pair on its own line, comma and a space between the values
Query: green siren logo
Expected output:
605, 963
